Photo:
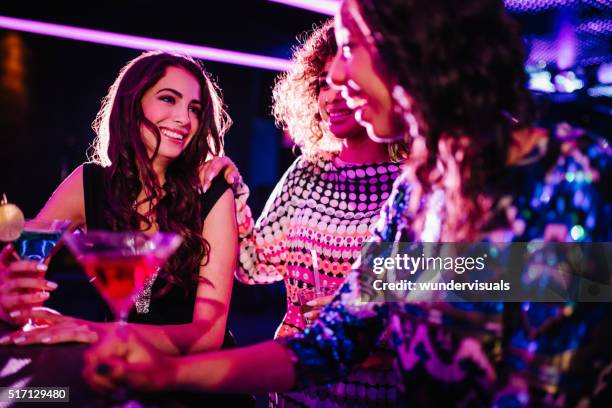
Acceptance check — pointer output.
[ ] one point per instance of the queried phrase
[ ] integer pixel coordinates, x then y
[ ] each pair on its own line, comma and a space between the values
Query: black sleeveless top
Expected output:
175, 306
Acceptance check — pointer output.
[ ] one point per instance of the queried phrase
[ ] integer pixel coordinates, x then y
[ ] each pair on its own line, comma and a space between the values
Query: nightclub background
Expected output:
50, 91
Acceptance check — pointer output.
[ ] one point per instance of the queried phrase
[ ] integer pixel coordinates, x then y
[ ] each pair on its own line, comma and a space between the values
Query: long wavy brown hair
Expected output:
119, 148
462, 62
296, 92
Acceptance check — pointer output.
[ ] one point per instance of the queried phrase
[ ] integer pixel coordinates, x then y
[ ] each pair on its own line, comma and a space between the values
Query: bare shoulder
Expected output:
67, 201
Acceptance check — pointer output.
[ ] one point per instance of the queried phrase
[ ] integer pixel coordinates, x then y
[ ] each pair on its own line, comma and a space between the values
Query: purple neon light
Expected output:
144, 43
328, 7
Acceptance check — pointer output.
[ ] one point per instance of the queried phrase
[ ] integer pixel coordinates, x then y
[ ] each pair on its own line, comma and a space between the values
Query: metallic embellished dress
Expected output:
484, 354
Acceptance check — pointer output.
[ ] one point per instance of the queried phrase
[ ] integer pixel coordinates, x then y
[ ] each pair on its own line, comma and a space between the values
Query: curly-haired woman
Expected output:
449, 76
321, 211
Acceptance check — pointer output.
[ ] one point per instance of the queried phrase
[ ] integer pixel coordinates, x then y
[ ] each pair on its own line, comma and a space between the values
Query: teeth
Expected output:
172, 134
340, 114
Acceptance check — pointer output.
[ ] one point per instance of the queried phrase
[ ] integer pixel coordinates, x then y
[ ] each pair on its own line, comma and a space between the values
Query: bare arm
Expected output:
67, 201
263, 367
263, 251
207, 330
260, 368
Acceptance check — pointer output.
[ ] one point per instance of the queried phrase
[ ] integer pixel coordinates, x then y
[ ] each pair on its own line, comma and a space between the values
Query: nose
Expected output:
180, 115
336, 75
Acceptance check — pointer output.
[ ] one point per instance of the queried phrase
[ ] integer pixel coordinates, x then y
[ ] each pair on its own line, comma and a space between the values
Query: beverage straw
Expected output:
315, 271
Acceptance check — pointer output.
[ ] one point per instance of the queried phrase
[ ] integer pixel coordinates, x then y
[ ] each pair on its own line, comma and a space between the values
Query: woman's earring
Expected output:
403, 106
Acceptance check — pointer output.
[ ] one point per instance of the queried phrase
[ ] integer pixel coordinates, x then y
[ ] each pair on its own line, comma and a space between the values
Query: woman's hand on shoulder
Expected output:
213, 167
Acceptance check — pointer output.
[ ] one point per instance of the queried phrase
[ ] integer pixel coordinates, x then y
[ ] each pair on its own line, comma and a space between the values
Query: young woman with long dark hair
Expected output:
449, 77
162, 117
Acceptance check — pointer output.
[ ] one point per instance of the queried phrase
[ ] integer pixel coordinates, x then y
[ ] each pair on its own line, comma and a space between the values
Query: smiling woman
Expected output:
173, 106
161, 118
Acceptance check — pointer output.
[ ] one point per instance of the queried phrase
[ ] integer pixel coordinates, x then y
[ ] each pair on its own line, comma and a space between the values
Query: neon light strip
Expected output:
143, 43
328, 7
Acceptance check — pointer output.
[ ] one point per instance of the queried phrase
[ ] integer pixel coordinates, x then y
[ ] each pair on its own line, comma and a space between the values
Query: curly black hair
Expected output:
462, 61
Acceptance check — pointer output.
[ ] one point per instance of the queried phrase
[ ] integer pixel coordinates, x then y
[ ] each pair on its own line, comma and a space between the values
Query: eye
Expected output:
195, 109
167, 98
323, 83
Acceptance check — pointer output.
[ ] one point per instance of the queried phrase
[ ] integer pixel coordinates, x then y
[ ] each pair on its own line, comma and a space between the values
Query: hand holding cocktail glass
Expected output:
23, 261
119, 264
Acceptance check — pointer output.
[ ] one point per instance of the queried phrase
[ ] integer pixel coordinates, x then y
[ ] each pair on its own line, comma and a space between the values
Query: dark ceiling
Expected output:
254, 26
578, 32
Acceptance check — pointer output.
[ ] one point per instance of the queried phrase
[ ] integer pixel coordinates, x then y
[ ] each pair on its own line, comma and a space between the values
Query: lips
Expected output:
336, 115
174, 135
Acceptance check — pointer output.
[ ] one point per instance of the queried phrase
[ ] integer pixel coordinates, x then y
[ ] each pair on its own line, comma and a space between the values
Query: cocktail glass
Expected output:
119, 263
38, 242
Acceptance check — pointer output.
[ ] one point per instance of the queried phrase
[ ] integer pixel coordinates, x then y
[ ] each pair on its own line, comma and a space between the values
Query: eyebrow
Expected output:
177, 93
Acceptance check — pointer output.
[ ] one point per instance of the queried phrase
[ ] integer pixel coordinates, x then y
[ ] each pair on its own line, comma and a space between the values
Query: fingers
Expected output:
8, 255
12, 301
312, 315
316, 305
65, 333
103, 375
321, 301
43, 315
28, 283
231, 173
104, 363
214, 167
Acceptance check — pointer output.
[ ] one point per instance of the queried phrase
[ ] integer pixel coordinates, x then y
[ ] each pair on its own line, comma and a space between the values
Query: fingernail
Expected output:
231, 179
19, 340
46, 339
51, 285
41, 267
43, 295
15, 313
311, 303
5, 340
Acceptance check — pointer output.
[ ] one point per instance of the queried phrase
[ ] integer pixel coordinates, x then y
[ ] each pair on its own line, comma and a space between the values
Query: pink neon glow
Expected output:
328, 7
144, 43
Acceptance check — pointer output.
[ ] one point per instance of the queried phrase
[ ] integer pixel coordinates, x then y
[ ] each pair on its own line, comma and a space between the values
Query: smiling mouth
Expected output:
340, 114
174, 136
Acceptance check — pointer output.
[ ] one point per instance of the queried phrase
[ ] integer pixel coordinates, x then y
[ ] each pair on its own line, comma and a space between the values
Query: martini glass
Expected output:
38, 241
119, 263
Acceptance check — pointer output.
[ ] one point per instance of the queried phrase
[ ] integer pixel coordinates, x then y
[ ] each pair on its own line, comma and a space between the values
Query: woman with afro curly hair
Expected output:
448, 76
312, 227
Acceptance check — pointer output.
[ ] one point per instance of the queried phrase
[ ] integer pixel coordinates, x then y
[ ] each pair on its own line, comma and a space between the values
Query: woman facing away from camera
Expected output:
161, 118
448, 76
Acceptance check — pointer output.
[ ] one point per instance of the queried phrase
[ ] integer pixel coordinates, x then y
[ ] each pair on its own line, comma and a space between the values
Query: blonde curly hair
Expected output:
296, 92
295, 95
